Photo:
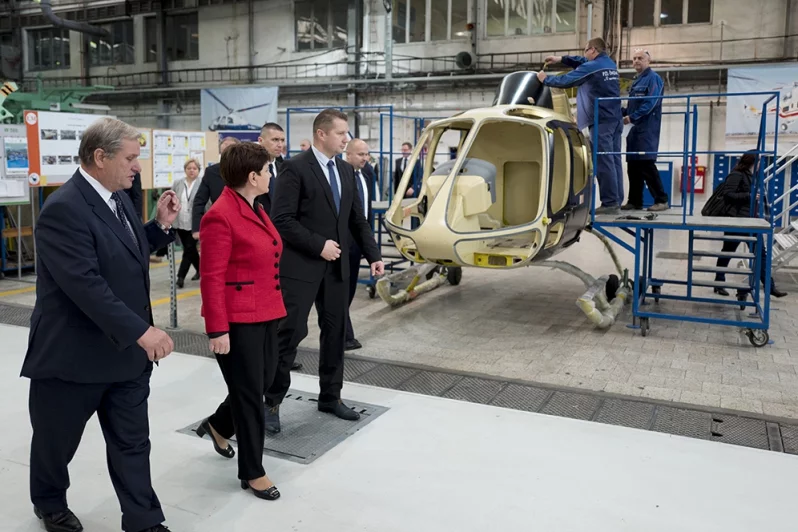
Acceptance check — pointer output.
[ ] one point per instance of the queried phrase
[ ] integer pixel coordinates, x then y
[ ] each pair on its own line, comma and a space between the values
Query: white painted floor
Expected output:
428, 464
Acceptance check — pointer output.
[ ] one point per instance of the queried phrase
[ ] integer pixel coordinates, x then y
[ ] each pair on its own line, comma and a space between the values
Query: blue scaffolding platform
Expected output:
755, 233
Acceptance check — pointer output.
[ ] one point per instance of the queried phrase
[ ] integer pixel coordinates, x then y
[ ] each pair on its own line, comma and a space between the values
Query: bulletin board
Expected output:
170, 151
53, 141
14, 189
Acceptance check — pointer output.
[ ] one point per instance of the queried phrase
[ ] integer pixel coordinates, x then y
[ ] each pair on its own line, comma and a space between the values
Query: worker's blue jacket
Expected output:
595, 79
645, 115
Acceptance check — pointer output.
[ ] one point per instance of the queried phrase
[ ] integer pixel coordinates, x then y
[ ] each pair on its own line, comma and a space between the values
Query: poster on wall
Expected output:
238, 109
13, 165
744, 113
145, 143
53, 142
171, 150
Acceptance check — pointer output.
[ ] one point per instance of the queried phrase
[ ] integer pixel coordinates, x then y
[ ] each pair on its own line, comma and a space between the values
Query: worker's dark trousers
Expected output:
609, 168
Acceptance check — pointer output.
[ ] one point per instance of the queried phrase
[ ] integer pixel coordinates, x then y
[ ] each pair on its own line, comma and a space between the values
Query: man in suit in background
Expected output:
92, 341
272, 137
136, 196
399, 170
304, 145
316, 206
357, 154
210, 188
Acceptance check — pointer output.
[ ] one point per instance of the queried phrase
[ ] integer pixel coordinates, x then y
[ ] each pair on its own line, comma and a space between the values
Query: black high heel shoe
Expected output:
269, 494
205, 428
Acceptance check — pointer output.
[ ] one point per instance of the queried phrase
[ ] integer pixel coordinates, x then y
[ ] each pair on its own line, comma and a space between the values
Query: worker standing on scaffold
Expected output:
596, 75
646, 119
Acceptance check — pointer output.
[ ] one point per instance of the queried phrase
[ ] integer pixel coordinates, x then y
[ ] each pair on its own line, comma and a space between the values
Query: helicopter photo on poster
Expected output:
238, 108
744, 113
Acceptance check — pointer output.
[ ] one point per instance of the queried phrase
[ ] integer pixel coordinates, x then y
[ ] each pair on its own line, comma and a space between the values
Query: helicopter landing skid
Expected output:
388, 287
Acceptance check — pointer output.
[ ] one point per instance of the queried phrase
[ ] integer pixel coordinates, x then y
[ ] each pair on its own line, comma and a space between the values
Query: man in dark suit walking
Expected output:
92, 341
209, 190
357, 154
272, 137
399, 170
316, 205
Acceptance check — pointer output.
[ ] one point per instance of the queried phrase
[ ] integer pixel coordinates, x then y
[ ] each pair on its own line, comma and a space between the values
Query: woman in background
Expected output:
739, 188
186, 189
241, 304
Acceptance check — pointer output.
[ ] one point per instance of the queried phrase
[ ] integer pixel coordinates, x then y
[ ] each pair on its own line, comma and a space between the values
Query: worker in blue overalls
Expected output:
646, 119
596, 75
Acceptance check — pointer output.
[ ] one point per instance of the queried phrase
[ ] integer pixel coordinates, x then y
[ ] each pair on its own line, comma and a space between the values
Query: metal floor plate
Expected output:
306, 434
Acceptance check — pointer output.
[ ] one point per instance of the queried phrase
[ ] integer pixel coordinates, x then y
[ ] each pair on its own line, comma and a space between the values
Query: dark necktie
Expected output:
120, 214
272, 179
334, 186
360, 191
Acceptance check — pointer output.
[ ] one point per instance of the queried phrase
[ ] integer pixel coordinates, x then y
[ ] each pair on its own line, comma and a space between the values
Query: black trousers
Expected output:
645, 172
330, 296
190, 253
355, 256
59, 411
247, 369
731, 245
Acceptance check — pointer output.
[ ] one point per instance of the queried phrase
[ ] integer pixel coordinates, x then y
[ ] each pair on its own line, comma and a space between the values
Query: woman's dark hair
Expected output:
746, 162
239, 160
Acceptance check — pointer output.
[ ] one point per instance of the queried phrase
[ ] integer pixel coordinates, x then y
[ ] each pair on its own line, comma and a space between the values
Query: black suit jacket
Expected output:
135, 195
371, 180
211, 187
266, 199
304, 213
92, 289
414, 182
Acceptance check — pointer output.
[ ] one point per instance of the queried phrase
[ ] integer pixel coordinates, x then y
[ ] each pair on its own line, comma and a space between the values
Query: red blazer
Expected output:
240, 265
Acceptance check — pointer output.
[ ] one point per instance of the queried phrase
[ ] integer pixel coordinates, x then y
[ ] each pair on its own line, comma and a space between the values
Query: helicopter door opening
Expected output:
514, 153
560, 171
581, 161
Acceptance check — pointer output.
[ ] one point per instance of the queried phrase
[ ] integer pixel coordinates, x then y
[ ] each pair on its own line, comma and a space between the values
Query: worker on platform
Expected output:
642, 142
596, 75
739, 186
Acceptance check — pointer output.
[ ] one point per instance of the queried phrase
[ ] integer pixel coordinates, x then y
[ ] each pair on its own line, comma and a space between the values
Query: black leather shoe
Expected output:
339, 409
180, 282
352, 344
721, 292
196, 277
775, 292
271, 419
156, 528
60, 521
296, 367
205, 428
268, 494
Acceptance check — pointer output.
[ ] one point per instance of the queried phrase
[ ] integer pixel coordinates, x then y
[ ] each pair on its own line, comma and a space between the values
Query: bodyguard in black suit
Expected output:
357, 154
316, 206
136, 196
92, 343
272, 137
210, 188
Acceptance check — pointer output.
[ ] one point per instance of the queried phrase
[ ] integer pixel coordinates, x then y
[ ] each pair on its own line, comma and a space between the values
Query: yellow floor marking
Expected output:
18, 291
183, 295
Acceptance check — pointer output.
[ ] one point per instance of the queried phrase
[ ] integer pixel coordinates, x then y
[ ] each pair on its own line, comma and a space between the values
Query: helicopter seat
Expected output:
473, 195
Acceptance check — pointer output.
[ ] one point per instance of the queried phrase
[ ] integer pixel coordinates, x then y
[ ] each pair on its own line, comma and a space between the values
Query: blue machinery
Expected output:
757, 233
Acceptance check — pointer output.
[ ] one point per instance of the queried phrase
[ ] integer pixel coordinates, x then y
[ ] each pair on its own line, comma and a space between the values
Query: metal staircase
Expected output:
785, 237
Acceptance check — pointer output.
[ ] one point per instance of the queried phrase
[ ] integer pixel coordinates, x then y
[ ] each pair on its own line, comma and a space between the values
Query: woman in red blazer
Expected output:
241, 303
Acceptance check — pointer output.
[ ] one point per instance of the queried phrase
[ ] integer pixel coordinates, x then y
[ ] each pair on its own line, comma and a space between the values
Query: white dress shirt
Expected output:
365, 197
323, 160
104, 193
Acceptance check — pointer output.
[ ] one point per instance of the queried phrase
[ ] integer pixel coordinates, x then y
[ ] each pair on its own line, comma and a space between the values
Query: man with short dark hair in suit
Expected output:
92, 341
136, 196
316, 206
210, 189
272, 137
357, 154
399, 171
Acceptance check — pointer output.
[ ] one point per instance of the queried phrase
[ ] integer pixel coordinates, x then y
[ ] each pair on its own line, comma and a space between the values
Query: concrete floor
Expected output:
427, 464
524, 324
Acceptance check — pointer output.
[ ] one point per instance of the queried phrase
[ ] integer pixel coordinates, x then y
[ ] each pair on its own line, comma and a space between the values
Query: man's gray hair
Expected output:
105, 134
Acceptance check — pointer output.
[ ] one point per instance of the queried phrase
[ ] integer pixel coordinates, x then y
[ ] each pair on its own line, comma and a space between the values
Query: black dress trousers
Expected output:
59, 411
247, 369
